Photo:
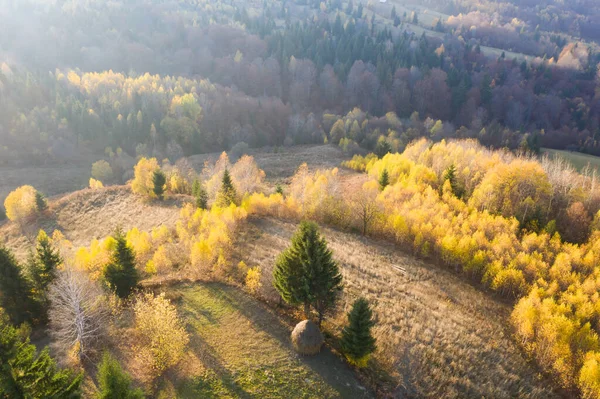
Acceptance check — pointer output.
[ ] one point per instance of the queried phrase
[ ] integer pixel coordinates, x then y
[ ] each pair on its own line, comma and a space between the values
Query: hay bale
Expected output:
307, 338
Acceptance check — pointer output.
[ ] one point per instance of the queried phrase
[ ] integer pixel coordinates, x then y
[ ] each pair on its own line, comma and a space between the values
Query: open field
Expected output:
577, 159
241, 349
440, 336
60, 179
50, 180
427, 19
282, 163
88, 214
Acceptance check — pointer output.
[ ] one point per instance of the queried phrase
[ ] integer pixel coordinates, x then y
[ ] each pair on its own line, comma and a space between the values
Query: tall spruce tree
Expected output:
200, 195
450, 175
121, 274
40, 202
24, 375
159, 180
227, 194
15, 290
306, 274
384, 179
113, 382
196, 185
45, 263
357, 342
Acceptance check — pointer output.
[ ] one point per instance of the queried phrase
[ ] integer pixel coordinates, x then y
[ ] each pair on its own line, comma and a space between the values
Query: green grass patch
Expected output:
577, 159
240, 349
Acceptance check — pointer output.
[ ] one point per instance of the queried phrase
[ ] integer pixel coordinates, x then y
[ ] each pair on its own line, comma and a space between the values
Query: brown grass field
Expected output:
281, 164
89, 214
50, 180
438, 335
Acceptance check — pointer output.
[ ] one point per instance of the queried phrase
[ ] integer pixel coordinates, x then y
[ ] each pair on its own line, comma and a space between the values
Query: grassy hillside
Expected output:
240, 348
282, 162
577, 159
88, 214
438, 336
441, 336
51, 180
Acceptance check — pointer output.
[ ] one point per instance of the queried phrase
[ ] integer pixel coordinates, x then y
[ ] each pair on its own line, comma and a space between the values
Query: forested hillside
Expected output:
164, 165
278, 73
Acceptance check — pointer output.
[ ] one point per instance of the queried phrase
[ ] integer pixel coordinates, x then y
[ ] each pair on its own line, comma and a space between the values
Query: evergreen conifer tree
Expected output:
450, 175
113, 382
279, 189
196, 186
200, 195
384, 179
121, 274
25, 375
227, 195
305, 273
42, 267
159, 180
357, 342
40, 202
382, 147
47, 260
15, 290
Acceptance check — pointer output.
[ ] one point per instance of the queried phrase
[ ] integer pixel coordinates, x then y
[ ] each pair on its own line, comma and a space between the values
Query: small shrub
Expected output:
113, 382
95, 184
160, 333
253, 283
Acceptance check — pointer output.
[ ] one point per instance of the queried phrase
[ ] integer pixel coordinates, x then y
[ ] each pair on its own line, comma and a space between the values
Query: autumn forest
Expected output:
299, 198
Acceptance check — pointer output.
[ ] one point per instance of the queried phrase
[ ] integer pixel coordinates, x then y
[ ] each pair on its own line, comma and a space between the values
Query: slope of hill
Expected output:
437, 335
240, 348
88, 214
441, 336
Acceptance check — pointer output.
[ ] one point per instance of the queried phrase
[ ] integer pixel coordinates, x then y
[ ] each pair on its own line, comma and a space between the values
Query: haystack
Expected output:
307, 338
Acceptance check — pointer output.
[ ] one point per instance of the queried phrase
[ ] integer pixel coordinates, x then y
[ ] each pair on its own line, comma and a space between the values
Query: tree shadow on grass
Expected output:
334, 372
201, 387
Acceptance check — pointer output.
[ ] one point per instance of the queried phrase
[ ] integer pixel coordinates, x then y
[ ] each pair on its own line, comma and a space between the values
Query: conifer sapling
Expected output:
357, 342
121, 274
159, 180
113, 382
227, 194
384, 179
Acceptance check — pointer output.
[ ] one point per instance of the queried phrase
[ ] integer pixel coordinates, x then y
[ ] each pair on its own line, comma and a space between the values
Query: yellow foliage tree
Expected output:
142, 183
95, 184
21, 203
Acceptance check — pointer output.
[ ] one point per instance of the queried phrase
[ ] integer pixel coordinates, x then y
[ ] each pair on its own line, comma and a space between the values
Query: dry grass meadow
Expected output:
281, 163
438, 336
91, 214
